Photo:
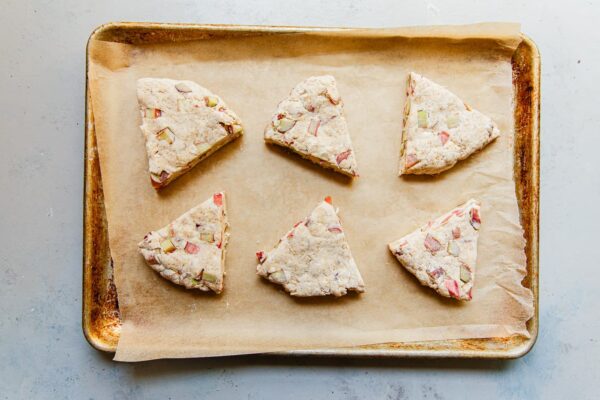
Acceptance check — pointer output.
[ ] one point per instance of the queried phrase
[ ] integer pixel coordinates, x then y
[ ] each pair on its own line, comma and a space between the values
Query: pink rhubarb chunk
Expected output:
432, 243
452, 287
191, 248
342, 156
218, 199
443, 135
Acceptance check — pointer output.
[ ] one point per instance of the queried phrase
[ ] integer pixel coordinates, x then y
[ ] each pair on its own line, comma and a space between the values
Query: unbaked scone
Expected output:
439, 128
183, 123
443, 253
313, 259
311, 122
190, 251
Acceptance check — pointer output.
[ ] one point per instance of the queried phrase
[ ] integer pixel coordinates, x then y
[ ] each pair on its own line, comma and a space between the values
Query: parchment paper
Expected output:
268, 190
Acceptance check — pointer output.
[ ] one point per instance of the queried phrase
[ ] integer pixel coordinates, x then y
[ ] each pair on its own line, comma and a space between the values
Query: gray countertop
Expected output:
42, 66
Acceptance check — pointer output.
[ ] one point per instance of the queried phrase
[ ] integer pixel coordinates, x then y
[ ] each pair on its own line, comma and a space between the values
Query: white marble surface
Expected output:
44, 354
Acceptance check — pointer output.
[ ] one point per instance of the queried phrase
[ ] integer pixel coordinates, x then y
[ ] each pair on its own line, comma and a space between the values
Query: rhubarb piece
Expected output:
452, 121
422, 119
237, 129
157, 180
165, 135
456, 232
182, 87
151, 113
208, 277
184, 251
452, 287
435, 116
151, 260
411, 160
335, 229
443, 253
444, 136
207, 237
432, 244
333, 98
436, 273
167, 246
475, 221
218, 199
465, 273
313, 126
191, 248
311, 123
211, 101
399, 249
313, 259
182, 123
343, 156
284, 124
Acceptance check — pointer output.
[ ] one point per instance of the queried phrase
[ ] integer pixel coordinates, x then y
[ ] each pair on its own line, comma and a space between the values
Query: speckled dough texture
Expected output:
311, 122
313, 258
443, 253
182, 123
268, 190
190, 251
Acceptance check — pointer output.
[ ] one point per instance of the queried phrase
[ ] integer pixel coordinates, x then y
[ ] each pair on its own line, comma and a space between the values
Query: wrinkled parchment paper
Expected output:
269, 190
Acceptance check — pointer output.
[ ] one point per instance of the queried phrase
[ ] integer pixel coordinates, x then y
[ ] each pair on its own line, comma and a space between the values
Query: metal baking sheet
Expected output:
100, 319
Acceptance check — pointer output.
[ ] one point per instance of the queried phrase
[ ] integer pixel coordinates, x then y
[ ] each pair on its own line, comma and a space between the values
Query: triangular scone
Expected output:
443, 253
311, 122
190, 251
182, 123
313, 259
439, 128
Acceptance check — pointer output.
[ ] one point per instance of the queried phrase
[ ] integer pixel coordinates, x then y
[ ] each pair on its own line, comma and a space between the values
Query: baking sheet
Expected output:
269, 190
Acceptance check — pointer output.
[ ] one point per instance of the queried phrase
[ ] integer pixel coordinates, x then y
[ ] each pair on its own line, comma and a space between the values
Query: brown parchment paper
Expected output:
268, 190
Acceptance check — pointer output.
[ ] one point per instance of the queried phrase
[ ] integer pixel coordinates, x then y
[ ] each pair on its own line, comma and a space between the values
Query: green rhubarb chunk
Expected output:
285, 124
465, 274
422, 119
152, 113
195, 282
209, 277
452, 121
207, 237
167, 246
237, 129
211, 101
165, 135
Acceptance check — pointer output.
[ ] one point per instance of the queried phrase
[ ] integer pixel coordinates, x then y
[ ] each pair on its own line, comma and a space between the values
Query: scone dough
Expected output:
313, 259
190, 251
443, 253
311, 122
439, 128
182, 123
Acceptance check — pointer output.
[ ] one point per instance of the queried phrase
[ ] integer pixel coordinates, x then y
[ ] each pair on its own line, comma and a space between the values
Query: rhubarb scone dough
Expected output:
443, 253
190, 251
439, 128
313, 259
311, 122
182, 123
